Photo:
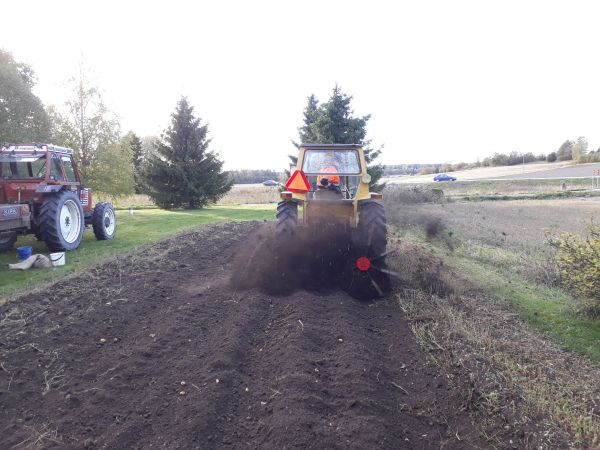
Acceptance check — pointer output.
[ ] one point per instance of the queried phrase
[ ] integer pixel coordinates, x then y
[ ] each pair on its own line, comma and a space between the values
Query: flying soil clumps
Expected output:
322, 260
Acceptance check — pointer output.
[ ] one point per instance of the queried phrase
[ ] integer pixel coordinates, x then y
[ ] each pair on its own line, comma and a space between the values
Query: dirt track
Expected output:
156, 350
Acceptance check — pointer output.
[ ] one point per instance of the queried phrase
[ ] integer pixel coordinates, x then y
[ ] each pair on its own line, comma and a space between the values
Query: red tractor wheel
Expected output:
61, 222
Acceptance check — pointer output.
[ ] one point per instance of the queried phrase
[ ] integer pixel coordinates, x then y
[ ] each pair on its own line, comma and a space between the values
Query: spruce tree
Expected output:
137, 154
334, 122
306, 131
182, 172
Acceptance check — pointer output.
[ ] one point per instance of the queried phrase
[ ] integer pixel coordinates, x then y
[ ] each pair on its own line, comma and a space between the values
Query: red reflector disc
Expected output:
363, 263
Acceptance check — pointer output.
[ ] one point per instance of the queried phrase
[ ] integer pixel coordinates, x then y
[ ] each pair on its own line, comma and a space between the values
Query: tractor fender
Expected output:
49, 188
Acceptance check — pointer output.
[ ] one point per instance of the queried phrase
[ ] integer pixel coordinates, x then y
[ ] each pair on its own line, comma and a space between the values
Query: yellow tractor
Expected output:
330, 185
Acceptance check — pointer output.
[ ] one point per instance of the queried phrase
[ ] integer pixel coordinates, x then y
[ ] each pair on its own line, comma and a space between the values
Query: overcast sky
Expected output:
445, 81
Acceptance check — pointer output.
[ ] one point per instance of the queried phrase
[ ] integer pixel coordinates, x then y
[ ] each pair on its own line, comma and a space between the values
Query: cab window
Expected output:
343, 161
22, 166
56, 170
68, 167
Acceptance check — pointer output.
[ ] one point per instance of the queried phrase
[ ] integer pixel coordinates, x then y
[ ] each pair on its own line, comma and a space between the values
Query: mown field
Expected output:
480, 189
240, 194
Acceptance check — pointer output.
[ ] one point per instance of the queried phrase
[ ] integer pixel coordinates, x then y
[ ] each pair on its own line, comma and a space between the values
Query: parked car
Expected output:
270, 183
444, 177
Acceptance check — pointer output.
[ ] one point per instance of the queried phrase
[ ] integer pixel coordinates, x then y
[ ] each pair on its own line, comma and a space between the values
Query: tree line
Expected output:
176, 169
575, 150
122, 164
253, 176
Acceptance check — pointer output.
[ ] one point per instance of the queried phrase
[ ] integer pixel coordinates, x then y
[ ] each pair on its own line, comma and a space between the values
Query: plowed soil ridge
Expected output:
157, 350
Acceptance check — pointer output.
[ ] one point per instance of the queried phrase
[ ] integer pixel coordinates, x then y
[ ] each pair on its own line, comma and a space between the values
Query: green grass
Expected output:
141, 228
548, 309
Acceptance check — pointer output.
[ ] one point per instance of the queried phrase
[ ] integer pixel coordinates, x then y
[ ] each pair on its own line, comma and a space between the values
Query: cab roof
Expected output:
27, 148
331, 146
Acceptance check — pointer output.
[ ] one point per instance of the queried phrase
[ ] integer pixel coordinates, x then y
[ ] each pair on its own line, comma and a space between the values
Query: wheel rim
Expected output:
70, 221
109, 222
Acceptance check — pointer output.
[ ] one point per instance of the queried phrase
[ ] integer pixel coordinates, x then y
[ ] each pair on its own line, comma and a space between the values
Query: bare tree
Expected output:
88, 124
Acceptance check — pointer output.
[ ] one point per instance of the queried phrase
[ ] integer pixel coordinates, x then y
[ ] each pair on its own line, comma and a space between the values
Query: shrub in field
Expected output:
413, 194
579, 263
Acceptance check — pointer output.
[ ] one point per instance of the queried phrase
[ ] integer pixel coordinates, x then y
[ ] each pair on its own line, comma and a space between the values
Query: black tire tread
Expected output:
371, 232
287, 218
7, 240
98, 221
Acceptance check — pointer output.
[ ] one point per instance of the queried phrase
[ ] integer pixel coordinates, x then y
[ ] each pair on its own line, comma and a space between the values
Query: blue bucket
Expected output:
24, 252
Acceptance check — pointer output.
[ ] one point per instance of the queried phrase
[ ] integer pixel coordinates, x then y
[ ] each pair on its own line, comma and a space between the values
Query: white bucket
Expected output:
57, 259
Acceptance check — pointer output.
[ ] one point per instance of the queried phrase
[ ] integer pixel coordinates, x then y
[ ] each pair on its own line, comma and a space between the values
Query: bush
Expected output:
579, 262
412, 194
551, 157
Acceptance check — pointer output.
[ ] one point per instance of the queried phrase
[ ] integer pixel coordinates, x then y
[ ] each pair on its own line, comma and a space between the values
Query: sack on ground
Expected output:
35, 261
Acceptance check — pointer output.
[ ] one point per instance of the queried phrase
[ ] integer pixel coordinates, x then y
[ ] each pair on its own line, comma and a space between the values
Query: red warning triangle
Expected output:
298, 183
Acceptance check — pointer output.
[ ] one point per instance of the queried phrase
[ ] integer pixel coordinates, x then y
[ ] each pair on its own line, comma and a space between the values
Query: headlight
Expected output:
366, 178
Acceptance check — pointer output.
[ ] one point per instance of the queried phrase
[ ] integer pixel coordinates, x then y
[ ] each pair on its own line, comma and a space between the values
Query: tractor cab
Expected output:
330, 181
29, 171
332, 170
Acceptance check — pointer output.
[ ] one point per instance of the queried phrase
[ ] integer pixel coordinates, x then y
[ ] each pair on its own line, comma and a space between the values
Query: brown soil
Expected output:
158, 350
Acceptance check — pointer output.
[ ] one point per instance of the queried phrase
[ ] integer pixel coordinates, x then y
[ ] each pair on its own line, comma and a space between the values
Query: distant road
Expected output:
578, 171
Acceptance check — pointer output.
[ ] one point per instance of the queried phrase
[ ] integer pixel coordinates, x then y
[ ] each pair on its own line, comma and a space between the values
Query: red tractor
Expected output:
41, 193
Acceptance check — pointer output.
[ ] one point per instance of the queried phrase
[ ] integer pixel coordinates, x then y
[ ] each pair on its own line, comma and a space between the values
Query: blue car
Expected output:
444, 177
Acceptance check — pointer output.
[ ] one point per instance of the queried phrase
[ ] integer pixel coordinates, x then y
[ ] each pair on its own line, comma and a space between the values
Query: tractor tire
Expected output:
370, 236
61, 222
104, 221
287, 218
7, 240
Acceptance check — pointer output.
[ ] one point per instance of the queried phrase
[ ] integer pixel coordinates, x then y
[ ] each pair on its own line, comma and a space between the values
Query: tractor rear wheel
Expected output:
287, 218
61, 222
365, 274
370, 236
7, 240
104, 221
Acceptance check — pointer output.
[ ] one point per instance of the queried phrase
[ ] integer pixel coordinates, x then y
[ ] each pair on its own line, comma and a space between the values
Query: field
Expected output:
479, 189
503, 247
492, 267
156, 345
143, 227
539, 170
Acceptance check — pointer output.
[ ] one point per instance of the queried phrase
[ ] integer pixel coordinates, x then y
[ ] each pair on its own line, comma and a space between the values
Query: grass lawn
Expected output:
142, 227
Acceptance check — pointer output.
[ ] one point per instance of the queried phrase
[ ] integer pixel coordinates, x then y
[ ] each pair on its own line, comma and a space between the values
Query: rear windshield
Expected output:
344, 161
22, 166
